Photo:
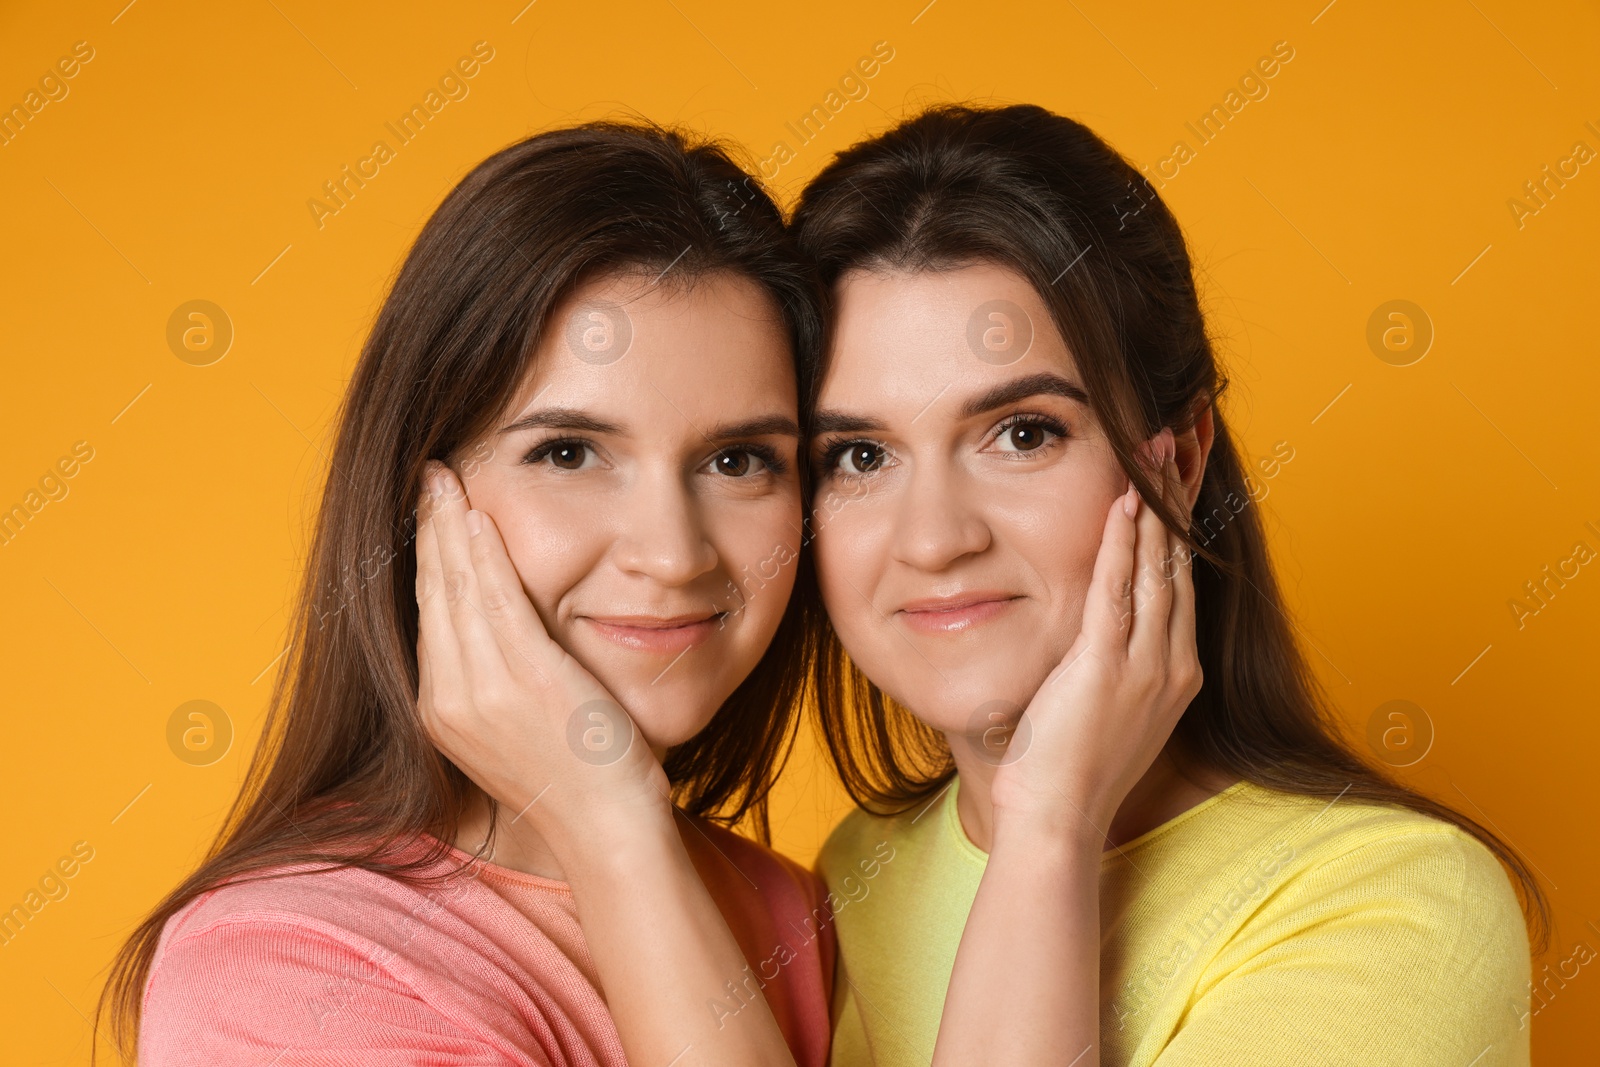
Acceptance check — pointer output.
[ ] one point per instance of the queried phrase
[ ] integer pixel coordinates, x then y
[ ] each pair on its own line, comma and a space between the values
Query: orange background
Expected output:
1379, 166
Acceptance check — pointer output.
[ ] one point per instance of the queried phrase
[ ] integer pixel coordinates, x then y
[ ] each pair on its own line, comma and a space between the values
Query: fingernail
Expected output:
474, 522
1130, 502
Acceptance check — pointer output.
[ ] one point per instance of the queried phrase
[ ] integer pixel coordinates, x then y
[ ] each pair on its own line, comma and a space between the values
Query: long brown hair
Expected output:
1041, 194
344, 774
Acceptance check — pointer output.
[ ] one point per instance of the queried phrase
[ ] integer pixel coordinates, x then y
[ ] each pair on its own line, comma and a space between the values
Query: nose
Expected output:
940, 520
662, 533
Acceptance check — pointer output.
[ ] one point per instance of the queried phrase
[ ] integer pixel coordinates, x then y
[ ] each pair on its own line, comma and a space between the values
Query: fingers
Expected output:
1180, 570
481, 658
1152, 588
439, 668
1108, 608
505, 603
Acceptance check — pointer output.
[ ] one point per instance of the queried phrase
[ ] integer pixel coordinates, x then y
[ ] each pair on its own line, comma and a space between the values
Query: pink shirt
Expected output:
350, 967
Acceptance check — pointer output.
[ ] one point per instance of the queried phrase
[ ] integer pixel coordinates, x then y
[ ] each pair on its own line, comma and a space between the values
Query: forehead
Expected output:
901, 338
662, 351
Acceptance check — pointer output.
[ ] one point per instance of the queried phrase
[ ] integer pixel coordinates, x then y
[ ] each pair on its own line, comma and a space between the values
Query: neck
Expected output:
516, 845
1162, 793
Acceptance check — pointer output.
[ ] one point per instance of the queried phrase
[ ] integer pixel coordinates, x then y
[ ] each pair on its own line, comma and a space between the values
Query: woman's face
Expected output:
645, 484
963, 485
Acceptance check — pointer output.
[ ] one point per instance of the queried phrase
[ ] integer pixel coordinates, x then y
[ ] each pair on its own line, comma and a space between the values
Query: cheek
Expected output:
851, 545
758, 549
549, 558
551, 546
1060, 546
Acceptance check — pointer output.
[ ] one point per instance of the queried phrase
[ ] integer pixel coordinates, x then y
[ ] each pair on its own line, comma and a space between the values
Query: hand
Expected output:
505, 703
512, 709
1103, 715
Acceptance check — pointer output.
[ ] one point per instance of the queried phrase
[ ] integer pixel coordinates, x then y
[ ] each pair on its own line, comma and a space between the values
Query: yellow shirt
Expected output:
1255, 928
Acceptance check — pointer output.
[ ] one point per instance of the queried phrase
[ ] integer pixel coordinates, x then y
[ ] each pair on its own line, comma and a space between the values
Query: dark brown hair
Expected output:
344, 774
1041, 194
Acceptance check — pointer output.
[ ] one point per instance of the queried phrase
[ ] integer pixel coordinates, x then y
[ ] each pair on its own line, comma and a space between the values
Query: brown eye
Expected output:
734, 464
1023, 435
862, 457
567, 457
1025, 438
564, 455
743, 462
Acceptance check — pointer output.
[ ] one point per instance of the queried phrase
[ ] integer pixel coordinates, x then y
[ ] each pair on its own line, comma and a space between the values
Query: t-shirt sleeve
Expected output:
1409, 950
263, 992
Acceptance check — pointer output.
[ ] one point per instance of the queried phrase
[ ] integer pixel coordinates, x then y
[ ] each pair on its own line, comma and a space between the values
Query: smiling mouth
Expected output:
945, 615
657, 635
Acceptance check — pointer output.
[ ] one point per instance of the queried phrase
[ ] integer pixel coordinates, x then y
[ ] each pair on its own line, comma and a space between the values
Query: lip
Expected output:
659, 635
955, 614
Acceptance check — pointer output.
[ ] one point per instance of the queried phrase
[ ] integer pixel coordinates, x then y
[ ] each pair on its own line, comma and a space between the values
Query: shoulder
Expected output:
1374, 841
863, 839
1297, 925
728, 856
1436, 866
1345, 923
339, 963
330, 900
266, 958
277, 922
777, 912
844, 839
1409, 872
298, 920
343, 903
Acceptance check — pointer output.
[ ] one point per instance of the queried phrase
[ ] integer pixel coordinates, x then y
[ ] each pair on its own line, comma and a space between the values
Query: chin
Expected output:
670, 698
966, 700
666, 715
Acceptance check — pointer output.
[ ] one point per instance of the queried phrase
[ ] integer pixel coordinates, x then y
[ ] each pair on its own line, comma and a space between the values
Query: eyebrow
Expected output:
760, 426
574, 419
562, 419
1044, 383
825, 421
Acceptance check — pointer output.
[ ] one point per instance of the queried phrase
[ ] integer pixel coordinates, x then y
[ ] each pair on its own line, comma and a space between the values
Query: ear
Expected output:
1193, 446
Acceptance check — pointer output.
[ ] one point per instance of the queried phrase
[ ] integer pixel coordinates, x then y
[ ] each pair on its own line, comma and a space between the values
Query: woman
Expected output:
454, 845
1124, 828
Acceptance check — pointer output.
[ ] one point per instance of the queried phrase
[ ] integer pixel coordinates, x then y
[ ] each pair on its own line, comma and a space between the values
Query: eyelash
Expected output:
833, 451
829, 465
540, 452
1055, 426
775, 463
